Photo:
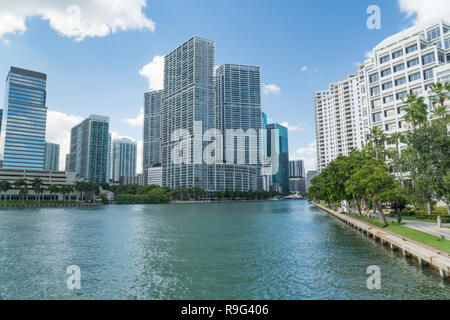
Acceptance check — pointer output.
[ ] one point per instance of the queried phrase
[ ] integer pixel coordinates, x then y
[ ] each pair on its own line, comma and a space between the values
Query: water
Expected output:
252, 250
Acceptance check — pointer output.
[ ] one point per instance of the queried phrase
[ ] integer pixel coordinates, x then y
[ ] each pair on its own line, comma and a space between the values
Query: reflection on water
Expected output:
253, 250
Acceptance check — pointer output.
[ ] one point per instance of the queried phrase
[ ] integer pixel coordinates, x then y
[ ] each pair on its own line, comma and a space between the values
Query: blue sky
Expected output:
301, 46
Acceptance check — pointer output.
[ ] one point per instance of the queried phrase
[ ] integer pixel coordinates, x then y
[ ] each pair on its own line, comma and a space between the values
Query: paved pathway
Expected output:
429, 227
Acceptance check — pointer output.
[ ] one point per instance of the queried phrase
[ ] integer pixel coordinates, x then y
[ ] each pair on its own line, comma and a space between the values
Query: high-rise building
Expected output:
296, 168
403, 64
51, 158
298, 184
154, 176
89, 149
123, 158
1, 117
188, 104
22, 139
67, 164
340, 122
238, 112
309, 176
280, 167
151, 132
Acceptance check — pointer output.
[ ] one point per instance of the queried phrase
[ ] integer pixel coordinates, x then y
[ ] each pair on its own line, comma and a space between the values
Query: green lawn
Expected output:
419, 236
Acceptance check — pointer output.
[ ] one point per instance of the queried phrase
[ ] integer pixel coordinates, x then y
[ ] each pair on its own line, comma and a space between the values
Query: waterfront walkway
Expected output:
424, 254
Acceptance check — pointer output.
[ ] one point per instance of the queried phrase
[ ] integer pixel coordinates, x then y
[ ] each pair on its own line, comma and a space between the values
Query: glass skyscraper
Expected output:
90, 149
22, 139
123, 158
51, 158
151, 132
188, 97
280, 178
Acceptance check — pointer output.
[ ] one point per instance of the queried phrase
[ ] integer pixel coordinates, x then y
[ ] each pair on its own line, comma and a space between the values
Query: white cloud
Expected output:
154, 72
304, 68
59, 125
77, 19
292, 127
271, 89
138, 121
6, 41
425, 10
308, 154
368, 54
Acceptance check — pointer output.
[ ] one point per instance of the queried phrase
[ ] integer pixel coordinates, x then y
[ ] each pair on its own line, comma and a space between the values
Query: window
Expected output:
376, 103
411, 48
447, 43
414, 77
374, 91
401, 95
384, 59
433, 34
385, 72
428, 74
389, 113
397, 54
416, 91
441, 57
390, 126
400, 109
413, 62
387, 85
399, 67
427, 59
373, 77
376, 117
388, 99
399, 82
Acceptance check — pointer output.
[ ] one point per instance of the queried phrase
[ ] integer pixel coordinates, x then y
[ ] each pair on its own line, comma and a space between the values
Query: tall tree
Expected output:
5, 186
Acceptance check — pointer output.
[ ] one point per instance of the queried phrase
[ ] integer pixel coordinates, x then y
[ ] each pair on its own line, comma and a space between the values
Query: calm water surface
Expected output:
253, 250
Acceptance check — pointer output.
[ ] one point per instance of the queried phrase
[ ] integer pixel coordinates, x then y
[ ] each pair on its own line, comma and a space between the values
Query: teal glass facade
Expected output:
280, 179
22, 140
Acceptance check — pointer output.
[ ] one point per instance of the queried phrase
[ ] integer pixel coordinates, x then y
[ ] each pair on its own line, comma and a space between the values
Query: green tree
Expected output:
416, 110
38, 188
5, 186
21, 185
53, 189
377, 137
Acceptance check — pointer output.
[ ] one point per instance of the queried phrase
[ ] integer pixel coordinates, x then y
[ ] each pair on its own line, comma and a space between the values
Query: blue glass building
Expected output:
22, 140
280, 178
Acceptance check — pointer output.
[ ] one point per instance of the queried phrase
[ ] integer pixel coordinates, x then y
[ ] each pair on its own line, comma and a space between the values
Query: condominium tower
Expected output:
339, 121
22, 139
123, 158
278, 135
51, 159
151, 132
187, 106
296, 168
400, 65
90, 149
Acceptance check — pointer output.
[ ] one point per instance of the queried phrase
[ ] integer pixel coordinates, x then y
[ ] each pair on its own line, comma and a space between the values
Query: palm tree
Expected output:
66, 190
377, 136
79, 188
416, 110
38, 188
21, 185
5, 186
53, 189
397, 137
441, 92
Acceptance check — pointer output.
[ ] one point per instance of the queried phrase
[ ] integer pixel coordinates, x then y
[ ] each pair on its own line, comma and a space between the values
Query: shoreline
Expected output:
425, 255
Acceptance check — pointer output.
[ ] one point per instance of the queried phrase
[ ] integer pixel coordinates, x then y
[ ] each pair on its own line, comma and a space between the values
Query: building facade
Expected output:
339, 120
154, 176
309, 176
126, 180
51, 158
298, 185
296, 168
152, 132
403, 64
278, 135
123, 158
22, 139
188, 107
89, 149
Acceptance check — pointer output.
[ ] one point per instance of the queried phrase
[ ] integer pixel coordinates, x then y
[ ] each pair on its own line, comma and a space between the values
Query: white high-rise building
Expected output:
400, 65
123, 158
405, 63
339, 120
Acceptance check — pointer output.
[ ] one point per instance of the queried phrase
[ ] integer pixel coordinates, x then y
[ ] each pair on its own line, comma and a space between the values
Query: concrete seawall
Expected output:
425, 255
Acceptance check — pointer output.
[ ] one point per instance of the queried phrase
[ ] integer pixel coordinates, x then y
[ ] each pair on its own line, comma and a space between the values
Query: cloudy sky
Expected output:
102, 55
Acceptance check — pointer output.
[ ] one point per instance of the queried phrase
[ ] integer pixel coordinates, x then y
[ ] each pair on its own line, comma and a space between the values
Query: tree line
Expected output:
413, 172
